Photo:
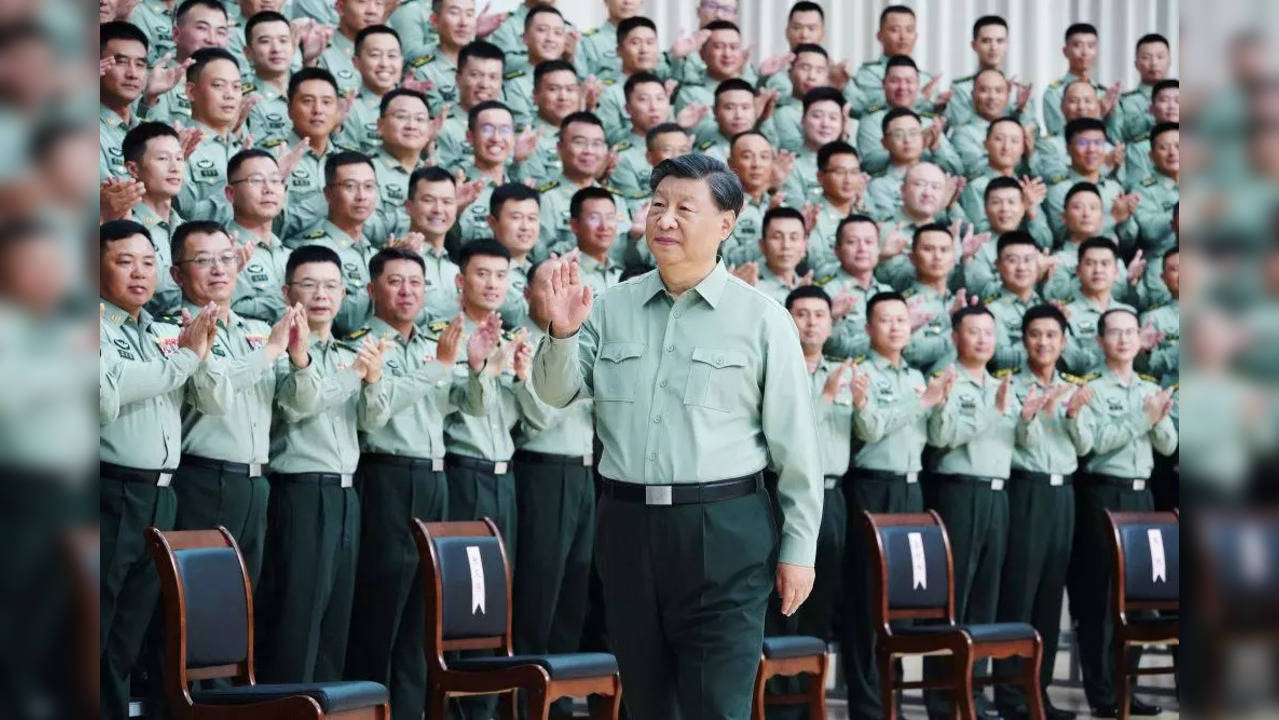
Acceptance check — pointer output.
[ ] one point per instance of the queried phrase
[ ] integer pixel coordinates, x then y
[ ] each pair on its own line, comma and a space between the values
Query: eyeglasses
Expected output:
1121, 332
204, 262
905, 134
580, 144
350, 186
487, 130
419, 118
310, 286
1090, 143
257, 182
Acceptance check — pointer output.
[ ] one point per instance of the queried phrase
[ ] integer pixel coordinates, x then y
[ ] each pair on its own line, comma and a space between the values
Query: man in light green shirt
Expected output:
479, 82
155, 18
153, 156
584, 156
403, 127
197, 25
376, 57
1128, 420
752, 157
214, 84
896, 35
144, 367
593, 220
851, 284
1159, 191
255, 191
313, 108
454, 24
267, 60
991, 97
699, 384
414, 21
839, 172
554, 93
1165, 107
930, 298
1086, 141
124, 47
1162, 340
1131, 118
534, 32
1008, 207
1080, 49
823, 122
1018, 266
432, 209
810, 69
1098, 265
782, 244
901, 86
990, 44
339, 57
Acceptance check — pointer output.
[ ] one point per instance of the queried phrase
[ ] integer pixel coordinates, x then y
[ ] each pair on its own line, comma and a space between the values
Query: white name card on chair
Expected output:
477, 578
1158, 564
918, 562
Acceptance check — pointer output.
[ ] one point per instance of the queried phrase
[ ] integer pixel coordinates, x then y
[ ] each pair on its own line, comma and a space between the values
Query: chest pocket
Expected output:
716, 379
616, 371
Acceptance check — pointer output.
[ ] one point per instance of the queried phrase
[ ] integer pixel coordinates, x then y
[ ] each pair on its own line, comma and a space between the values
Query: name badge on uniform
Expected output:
918, 562
477, 579
1158, 563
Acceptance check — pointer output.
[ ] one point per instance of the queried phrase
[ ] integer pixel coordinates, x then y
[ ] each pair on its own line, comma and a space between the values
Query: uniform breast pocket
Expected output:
617, 371
716, 379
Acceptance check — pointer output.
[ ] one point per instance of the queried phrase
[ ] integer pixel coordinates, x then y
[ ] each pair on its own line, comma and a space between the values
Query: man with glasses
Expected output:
255, 190
1086, 144
490, 133
584, 154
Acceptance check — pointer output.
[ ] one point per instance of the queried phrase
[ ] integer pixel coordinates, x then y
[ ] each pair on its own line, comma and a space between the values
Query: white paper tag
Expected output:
918, 563
1158, 565
477, 578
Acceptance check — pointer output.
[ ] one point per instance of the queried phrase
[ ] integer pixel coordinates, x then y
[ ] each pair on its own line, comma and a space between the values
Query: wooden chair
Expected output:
208, 623
912, 579
466, 581
792, 655
1146, 550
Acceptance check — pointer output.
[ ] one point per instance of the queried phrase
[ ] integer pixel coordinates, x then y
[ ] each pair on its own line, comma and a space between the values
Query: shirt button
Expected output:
676, 313
661, 383
657, 418
670, 348
652, 456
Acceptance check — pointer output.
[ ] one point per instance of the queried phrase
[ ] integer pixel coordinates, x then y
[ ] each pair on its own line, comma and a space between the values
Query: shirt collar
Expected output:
963, 374
270, 241
231, 317
710, 288
883, 363
339, 235
380, 329
115, 315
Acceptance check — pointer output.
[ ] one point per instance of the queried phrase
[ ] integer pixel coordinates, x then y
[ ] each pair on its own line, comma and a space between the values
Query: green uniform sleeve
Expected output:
141, 380
1111, 433
1163, 437
301, 394
874, 421
562, 366
388, 397
217, 380
950, 427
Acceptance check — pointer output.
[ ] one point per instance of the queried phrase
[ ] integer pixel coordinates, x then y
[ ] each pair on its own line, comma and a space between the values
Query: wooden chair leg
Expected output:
887, 700
1031, 668
1123, 690
817, 692
437, 705
506, 705
757, 702
963, 668
607, 707
538, 702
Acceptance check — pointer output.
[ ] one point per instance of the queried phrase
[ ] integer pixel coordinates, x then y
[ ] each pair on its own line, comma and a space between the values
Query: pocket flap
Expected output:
719, 358
619, 351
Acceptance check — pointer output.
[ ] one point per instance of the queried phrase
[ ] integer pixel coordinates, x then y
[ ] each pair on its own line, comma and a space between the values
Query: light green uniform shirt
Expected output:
545, 163
865, 91
1117, 432
611, 110
337, 59
787, 121
556, 197
1008, 309
884, 191
440, 70
931, 343
834, 420
569, 430
599, 276
974, 437
848, 337
707, 386
1164, 361
451, 148
412, 20
870, 145
821, 241
1083, 354
1054, 121
959, 111
319, 10
111, 131
304, 205
143, 374
174, 105
630, 177
509, 36
201, 197
1131, 118
597, 52
393, 190
317, 411
441, 284
1047, 444
359, 130
487, 433
227, 413
259, 287
972, 201
1063, 283
775, 286
269, 117
1055, 202
1159, 195
355, 254
892, 428
801, 185
155, 19
743, 245
167, 293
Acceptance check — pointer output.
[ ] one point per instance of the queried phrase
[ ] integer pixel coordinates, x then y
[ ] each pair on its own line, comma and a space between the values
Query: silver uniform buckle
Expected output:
164, 479
1138, 484
499, 468
1056, 479
587, 459
657, 494
831, 482
912, 477
348, 480
996, 483
437, 464
255, 470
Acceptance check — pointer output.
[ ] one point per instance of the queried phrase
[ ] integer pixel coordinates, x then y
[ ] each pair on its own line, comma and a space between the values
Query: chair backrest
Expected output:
1146, 549
466, 581
910, 568
208, 608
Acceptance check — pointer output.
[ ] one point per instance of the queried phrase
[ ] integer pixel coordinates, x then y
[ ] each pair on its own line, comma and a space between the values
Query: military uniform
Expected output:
821, 241
884, 191
111, 131
556, 197
801, 184
400, 477
972, 200
337, 59
742, 246
1054, 121
258, 289
969, 143
517, 94
865, 90
393, 190
1164, 361
630, 177
142, 375
930, 345
1125, 233
451, 148
611, 110
599, 276
870, 145
359, 130
1082, 354
155, 19
355, 254
545, 163
1041, 503
1115, 477
966, 488
320, 11
269, 117
720, 395
441, 285
597, 52
412, 21
1009, 309
1159, 195
167, 293
509, 36
202, 194
472, 220
313, 518
1063, 283
889, 433
442, 72
1131, 118
848, 337
775, 286
304, 205
788, 123
172, 106
959, 111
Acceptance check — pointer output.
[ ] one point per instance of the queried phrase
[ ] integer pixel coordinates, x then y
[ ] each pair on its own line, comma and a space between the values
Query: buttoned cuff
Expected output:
797, 552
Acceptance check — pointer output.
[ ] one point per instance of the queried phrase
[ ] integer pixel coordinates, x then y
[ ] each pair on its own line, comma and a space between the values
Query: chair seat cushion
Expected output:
559, 667
991, 632
332, 696
793, 646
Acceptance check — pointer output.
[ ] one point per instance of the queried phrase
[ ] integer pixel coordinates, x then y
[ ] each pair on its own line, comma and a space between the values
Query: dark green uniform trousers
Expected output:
308, 579
976, 518
130, 586
875, 495
388, 620
476, 492
555, 503
1042, 528
685, 592
1089, 580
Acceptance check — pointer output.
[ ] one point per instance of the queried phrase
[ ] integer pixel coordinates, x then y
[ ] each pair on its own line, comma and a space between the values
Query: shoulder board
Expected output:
705, 144
509, 334
1176, 385
420, 61
247, 88
314, 235
548, 185
873, 109
859, 359
928, 114
1091, 376
591, 31
938, 373
1072, 379
1132, 92
171, 319
357, 334
608, 81
272, 143
1149, 181
1068, 300
1004, 372
990, 298
1057, 178
437, 325
513, 74
965, 78
1055, 83
908, 292
823, 280
1148, 378
623, 145
1141, 138
346, 345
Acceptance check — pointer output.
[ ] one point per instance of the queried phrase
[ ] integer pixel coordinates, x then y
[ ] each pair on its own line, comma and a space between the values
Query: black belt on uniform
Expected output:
832, 481
995, 483
231, 468
345, 480
159, 478
684, 493
1042, 478
488, 466
1125, 482
884, 475
549, 458
404, 461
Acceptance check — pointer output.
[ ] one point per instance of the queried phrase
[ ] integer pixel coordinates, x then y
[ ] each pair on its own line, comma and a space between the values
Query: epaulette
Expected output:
705, 144
1072, 379
1091, 376
1055, 83
819, 282
608, 81
346, 345
548, 185
246, 88
1149, 181
314, 235
171, 319
938, 373
859, 359
273, 142
908, 292
513, 74
1148, 378
1141, 138
990, 298
420, 61
1067, 300
623, 145
590, 32
1057, 178
1002, 373
357, 334
873, 109
1132, 92
150, 220
965, 78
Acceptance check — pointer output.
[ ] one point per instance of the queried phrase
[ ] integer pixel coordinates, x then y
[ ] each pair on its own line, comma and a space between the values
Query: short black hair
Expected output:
188, 5
725, 187
661, 129
1174, 250
1151, 38
891, 9
852, 219
1014, 237
120, 30
781, 212
113, 230
431, 174
1080, 29
339, 159
375, 30
882, 297
1000, 182
894, 113
307, 74
480, 50
730, 85
259, 18
957, 318
1078, 188
810, 48
926, 228
1081, 125
378, 262
1165, 84
135, 141
833, 148
581, 116
308, 254
639, 78
1005, 119
1094, 243
245, 155
628, 25
473, 115
746, 133
986, 20
396, 92
1101, 321
824, 93
546, 67
1161, 128
178, 243
510, 192
722, 25
538, 9
482, 246
1044, 312
900, 61
806, 291
202, 57
580, 197
805, 6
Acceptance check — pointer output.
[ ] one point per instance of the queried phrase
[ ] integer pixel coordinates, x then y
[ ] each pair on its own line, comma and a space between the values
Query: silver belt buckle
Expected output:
1056, 479
437, 464
499, 468
912, 477
831, 482
1138, 484
587, 459
164, 479
348, 480
996, 483
657, 494
255, 470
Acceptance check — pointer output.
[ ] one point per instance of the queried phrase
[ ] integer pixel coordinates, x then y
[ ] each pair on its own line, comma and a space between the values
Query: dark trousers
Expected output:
1042, 528
388, 619
685, 591
976, 519
1089, 582
308, 580
861, 674
130, 586
555, 503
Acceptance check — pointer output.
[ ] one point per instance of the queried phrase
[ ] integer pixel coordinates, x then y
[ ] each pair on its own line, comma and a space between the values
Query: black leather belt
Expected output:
500, 467
1131, 483
995, 483
884, 475
345, 480
682, 494
552, 459
832, 482
226, 466
404, 461
1042, 478
159, 478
